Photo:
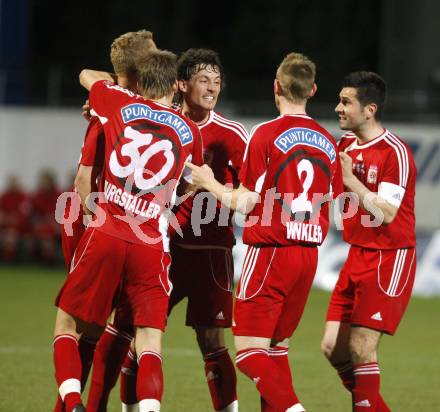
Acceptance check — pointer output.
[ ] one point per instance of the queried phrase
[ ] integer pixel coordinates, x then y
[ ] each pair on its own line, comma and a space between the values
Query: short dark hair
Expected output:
192, 61
370, 88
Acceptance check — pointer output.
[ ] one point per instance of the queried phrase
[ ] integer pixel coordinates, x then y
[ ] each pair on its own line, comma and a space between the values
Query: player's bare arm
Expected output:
352, 183
85, 183
88, 77
241, 199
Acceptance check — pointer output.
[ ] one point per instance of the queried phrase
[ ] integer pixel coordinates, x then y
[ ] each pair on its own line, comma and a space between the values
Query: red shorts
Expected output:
374, 288
100, 263
70, 242
206, 278
273, 290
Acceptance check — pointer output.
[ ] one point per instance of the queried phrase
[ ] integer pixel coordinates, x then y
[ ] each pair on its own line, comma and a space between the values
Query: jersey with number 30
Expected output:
146, 146
293, 163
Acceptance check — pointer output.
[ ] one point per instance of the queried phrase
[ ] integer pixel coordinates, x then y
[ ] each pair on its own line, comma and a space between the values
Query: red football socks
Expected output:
86, 348
345, 372
365, 391
128, 377
270, 380
221, 378
67, 364
280, 355
149, 386
109, 356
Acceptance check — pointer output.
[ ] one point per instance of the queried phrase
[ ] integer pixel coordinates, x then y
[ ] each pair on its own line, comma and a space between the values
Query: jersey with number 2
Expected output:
293, 163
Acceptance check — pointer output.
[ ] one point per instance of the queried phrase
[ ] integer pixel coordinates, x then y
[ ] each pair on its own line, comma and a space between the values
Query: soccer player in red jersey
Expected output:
291, 168
375, 283
125, 51
15, 207
146, 146
207, 229
46, 229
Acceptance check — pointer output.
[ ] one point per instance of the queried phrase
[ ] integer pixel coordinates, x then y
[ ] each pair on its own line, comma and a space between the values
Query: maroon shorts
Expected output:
101, 262
273, 290
374, 288
206, 278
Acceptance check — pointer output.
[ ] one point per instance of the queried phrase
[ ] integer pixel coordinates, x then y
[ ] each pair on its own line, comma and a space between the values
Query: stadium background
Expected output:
43, 46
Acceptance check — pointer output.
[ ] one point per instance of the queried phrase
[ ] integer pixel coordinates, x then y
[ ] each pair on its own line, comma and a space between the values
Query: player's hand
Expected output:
201, 175
347, 166
86, 110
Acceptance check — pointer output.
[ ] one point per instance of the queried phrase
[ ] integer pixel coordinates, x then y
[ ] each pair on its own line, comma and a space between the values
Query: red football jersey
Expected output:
385, 165
92, 154
146, 146
224, 143
15, 207
92, 151
294, 164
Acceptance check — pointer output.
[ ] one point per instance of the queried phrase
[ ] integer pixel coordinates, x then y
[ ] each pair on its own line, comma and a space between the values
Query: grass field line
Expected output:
176, 352
6, 350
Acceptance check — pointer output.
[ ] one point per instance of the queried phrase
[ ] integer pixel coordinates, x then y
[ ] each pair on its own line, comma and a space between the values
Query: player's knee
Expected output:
327, 347
361, 352
148, 339
210, 339
66, 324
363, 345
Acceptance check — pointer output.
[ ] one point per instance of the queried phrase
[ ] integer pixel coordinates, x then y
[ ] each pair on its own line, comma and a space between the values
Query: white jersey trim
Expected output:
402, 157
208, 120
233, 129
102, 119
238, 128
399, 264
357, 145
394, 142
260, 182
302, 116
254, 129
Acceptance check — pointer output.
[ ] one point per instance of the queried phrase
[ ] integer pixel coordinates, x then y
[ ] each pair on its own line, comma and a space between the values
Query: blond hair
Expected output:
127, 49
296, 75
157, 74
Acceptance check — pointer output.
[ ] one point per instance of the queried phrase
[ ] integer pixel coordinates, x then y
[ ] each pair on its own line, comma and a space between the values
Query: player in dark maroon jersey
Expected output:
208, 238
146, 146
291, 167
376, 281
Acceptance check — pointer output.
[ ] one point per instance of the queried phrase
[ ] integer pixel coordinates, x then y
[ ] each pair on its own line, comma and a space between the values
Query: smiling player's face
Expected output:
202, 90
351, 113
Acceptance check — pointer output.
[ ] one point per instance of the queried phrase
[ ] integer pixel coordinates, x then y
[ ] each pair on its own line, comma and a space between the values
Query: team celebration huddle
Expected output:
150, 222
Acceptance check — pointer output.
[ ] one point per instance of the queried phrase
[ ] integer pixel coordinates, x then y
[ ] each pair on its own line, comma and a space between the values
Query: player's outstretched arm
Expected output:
366, 196
85, 183
241, 199
88, 77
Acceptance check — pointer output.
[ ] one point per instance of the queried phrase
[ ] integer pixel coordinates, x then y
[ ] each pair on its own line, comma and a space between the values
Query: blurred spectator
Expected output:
15, 231
46, 229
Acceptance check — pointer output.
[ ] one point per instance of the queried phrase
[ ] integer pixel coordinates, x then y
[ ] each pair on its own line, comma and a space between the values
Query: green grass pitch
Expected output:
410, 361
